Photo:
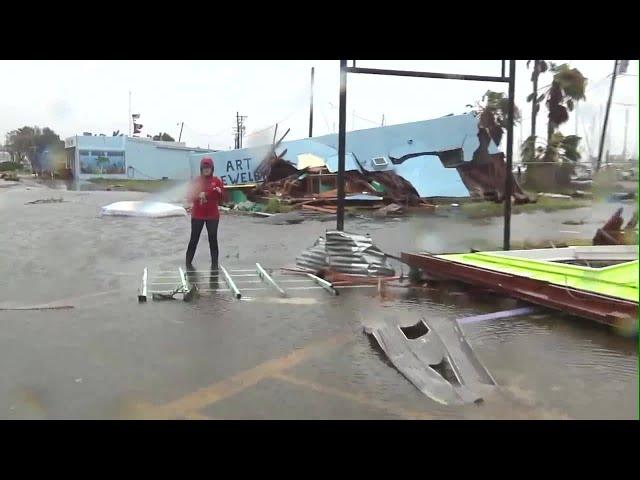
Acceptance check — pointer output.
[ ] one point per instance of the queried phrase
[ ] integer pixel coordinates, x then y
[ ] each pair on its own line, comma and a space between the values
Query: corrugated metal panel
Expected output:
351, 253
346, 253
315, 257
432, 179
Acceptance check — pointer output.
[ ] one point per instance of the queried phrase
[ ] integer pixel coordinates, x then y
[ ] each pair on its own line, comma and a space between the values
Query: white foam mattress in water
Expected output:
143, 209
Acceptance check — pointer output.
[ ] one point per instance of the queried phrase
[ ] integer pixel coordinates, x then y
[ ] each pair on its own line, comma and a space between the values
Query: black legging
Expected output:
196, 230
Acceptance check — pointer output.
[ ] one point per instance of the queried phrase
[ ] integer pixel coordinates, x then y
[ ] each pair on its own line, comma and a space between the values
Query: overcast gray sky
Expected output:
76, 96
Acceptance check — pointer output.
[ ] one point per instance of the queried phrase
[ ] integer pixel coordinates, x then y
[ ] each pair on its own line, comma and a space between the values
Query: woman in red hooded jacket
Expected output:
205, 192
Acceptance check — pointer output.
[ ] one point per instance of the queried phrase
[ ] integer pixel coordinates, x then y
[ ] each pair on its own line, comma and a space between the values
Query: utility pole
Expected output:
240, 129
236, 143
382, 124
311, 105
606, 114
626, 124
130, 118
180, 136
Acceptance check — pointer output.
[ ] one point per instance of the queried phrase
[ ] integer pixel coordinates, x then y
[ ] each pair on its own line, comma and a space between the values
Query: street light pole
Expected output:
342, 127
508, 185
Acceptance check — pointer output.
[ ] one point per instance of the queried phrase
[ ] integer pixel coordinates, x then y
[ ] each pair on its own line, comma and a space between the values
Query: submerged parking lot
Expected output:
259, 358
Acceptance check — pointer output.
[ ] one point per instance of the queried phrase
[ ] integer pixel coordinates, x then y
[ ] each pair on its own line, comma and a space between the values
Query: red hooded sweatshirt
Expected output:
205, 210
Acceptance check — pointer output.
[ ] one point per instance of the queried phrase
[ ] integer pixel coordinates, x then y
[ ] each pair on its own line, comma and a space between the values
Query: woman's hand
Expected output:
203, 197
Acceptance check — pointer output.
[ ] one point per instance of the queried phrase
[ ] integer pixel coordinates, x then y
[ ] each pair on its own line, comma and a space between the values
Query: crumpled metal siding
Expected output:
346, 253
315, 257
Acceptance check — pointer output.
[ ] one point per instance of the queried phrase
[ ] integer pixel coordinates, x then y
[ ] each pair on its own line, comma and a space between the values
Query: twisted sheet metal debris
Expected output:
445, 371
346, 253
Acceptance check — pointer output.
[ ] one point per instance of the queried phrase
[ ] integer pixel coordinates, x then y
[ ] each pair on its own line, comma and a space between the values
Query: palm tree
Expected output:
567, 88
539, 66
492, 115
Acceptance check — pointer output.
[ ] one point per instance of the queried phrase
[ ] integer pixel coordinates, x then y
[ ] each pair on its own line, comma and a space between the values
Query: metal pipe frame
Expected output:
142, 294
323, 283
342, 121
183, 280
265, 276
410, 73
232, 286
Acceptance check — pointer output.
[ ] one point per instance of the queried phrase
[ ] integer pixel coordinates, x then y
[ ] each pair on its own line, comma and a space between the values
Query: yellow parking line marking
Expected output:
354, 397
239, 382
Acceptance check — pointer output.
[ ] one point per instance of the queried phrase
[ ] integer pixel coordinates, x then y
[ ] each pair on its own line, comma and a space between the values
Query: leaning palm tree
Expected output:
539, 67
567, 88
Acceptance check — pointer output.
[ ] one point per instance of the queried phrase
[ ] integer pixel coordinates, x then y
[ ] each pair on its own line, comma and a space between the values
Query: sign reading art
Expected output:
237, 172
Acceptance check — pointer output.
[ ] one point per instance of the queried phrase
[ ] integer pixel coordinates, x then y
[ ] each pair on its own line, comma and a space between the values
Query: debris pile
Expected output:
612, 232
346, 253
315, 188
404, 164
485, 179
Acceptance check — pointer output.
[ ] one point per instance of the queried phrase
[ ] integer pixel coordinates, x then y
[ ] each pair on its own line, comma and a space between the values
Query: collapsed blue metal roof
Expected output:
425, 172
431, 179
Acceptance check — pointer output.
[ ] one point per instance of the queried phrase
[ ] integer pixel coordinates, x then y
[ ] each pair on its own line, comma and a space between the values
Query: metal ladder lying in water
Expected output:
236, 281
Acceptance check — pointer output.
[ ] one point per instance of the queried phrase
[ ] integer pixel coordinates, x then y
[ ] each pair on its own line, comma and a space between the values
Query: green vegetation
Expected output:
149, 186
9, 166
26, 142
545, 204
275, 206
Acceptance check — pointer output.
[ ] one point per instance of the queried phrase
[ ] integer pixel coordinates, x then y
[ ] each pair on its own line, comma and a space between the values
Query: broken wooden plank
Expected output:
319, 209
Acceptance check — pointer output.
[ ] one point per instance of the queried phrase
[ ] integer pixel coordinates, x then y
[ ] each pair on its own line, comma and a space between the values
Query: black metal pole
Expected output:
180, 136
606, 115
342, 127
409, 73
503, 65
311, 105
508, 183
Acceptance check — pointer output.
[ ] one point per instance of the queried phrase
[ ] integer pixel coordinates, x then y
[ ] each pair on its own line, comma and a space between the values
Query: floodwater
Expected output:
261, 357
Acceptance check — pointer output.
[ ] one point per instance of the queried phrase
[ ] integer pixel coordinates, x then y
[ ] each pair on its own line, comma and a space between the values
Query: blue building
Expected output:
409, 149
90, 156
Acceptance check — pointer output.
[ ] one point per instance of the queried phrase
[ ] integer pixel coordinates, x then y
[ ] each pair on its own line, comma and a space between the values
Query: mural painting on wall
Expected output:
101, 162
238, 172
